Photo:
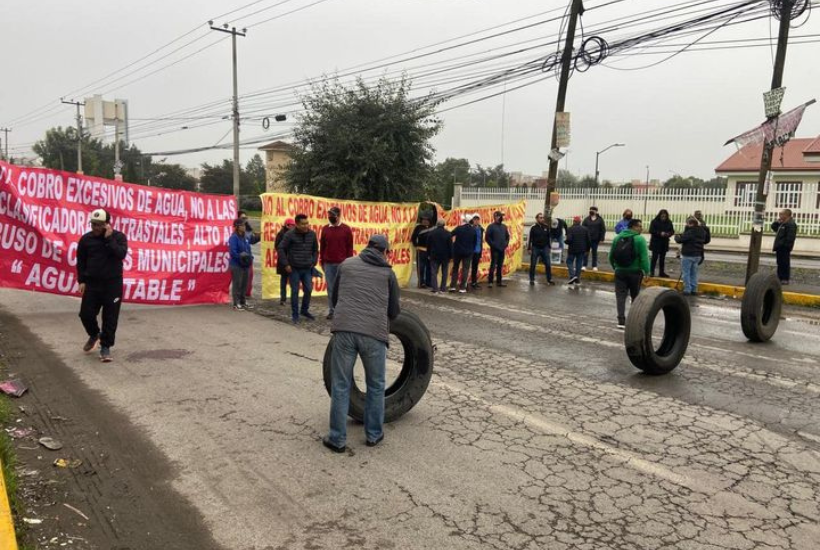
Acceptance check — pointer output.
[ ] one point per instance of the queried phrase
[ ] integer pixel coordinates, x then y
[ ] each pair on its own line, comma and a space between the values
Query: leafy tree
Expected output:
363, 142
219, 179
440, 184
494, 176
607, 184
718, 182
171, 176
587, 182
58, 150
133, 164
256, 173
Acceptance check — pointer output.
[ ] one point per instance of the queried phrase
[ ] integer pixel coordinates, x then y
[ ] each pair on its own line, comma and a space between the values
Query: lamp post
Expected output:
599, 153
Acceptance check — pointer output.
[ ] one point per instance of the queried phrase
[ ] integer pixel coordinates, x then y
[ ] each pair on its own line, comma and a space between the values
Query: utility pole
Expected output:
576, 10
6, 141
78, 104
234, 33
599, 153
768, 147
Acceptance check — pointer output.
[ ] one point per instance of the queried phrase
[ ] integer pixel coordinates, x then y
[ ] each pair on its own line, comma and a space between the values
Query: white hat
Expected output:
466, 218
100, 216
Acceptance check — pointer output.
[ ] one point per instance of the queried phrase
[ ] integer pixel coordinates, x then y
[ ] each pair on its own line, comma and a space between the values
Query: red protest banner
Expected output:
177, 240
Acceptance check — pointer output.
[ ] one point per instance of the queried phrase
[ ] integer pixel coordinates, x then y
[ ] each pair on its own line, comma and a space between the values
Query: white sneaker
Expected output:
621, 327
462, 291
583, 268
239, 307
594, 269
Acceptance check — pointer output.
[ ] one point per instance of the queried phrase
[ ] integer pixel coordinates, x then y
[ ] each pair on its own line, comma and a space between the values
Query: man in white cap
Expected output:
100, 254
366, 298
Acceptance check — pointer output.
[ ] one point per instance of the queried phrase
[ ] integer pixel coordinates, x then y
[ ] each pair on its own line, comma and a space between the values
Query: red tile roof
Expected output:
747, 159
277, 146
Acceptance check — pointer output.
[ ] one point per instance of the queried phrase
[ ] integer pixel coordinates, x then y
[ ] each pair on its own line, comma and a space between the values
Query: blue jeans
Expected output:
689, 270
574, 264
544, 254
423, 268
305, 277
331, 270
346, 347
593, 253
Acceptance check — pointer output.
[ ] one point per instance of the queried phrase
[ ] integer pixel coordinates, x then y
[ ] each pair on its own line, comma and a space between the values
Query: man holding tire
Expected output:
629, 256
366, 298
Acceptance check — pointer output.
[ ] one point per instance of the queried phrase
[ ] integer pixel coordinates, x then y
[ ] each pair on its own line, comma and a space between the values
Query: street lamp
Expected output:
599, 153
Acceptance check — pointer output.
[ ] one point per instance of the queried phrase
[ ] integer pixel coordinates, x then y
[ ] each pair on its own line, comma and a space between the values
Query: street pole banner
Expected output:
395, 220
177, 240
513, 219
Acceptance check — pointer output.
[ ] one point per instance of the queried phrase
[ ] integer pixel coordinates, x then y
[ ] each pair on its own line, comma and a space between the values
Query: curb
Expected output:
7, 539
735, 292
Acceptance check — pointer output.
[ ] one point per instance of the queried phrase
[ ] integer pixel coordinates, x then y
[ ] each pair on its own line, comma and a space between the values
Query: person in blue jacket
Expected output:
241, 260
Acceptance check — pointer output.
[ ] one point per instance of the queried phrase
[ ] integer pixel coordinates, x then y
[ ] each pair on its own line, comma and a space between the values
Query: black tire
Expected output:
761, 306
638, 332
411, 383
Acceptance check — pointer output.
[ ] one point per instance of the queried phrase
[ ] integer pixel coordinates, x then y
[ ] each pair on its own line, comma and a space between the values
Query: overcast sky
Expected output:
673, 117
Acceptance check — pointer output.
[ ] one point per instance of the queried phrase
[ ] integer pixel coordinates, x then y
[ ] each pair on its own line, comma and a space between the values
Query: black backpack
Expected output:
624, 253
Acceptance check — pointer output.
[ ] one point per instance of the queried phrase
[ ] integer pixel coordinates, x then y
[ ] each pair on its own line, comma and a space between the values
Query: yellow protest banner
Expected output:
513, 219
394, 220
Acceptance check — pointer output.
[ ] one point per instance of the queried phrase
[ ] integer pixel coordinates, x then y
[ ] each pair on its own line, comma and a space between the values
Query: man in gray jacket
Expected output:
366, 298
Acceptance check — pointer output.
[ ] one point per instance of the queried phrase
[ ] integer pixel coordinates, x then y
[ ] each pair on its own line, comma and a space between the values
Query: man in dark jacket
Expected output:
440, 251
100, 254
577, 248
498, 237
597, 234
464, 237
479, 244
284, 280
299, 252
661, 230
691, 252
366, 298
419, 240
785, 230
538, 245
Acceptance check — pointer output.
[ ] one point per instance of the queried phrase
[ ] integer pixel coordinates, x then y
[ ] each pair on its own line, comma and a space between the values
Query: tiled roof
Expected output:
792, 154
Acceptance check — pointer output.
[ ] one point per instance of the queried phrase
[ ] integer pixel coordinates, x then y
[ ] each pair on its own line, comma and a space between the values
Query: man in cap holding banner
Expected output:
100, 254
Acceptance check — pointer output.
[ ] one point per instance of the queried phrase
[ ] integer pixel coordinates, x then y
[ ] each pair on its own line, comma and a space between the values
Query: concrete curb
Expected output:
736, 292
7, 539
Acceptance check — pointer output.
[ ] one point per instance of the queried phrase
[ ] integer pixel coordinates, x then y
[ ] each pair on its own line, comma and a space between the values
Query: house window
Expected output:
788, 194
745, 193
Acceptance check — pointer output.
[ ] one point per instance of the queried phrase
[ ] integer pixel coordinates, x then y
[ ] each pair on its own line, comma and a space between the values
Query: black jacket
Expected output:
497, 236
578, 240
658, 226
280, 263
99, 259
464, 237
692, 241
786, 233
419, 237
440, 244
539, 236
596, 228
299, 250
557, 233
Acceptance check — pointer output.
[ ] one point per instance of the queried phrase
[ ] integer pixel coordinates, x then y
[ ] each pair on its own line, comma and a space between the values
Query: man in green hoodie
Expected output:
629, 257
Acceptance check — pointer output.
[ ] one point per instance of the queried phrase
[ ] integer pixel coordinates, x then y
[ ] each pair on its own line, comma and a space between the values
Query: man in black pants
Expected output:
498, 237
100, 254
785, 234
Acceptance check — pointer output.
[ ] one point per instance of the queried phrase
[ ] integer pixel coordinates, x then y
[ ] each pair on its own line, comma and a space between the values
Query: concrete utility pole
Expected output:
766, 160
78, 104
234, 33
6, 141
566, 64
599, 153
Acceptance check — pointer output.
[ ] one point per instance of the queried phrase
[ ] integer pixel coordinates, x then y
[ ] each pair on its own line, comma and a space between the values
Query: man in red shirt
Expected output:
335, 246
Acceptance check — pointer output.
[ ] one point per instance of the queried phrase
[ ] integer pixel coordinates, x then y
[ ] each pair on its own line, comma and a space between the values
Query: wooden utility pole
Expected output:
576, 10
768, 147
234, 33
78, 104
6, 141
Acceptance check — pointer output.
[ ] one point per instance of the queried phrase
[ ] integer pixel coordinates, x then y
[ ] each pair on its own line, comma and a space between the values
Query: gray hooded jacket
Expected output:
366, 296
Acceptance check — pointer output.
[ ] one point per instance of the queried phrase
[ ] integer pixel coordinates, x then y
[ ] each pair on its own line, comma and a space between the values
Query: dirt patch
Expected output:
160, 354
113, 491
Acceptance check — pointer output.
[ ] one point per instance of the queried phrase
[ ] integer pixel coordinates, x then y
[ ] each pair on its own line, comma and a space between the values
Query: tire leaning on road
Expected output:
411, 383
640, 348
761, 306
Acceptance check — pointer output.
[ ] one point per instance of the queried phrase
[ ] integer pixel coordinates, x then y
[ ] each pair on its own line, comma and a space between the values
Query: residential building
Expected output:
277, 157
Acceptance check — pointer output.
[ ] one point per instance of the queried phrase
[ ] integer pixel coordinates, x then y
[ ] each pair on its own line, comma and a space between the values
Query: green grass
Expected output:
254, 213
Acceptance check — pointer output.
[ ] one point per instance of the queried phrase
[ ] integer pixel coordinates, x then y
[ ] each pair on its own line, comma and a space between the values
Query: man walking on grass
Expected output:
366, 298
629, 257
100, 254
335, 246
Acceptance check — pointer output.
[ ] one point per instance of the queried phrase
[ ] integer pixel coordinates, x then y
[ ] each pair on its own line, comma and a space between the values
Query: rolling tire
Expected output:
411, 383
640, 348
761, 306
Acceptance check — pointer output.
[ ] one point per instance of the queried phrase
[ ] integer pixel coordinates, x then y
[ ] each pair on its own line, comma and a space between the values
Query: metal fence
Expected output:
728, 213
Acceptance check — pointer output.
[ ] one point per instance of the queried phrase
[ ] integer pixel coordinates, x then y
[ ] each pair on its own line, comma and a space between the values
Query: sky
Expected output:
673, 117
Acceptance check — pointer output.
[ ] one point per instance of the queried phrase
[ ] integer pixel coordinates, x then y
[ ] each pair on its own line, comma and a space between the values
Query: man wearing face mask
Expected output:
335, 246
597, 234
100, 254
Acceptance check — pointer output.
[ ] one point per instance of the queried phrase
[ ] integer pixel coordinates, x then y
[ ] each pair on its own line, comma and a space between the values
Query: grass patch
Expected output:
254, 213
7, 457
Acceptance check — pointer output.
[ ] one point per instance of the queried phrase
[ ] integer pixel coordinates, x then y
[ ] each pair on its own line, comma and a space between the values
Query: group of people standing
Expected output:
436, 247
